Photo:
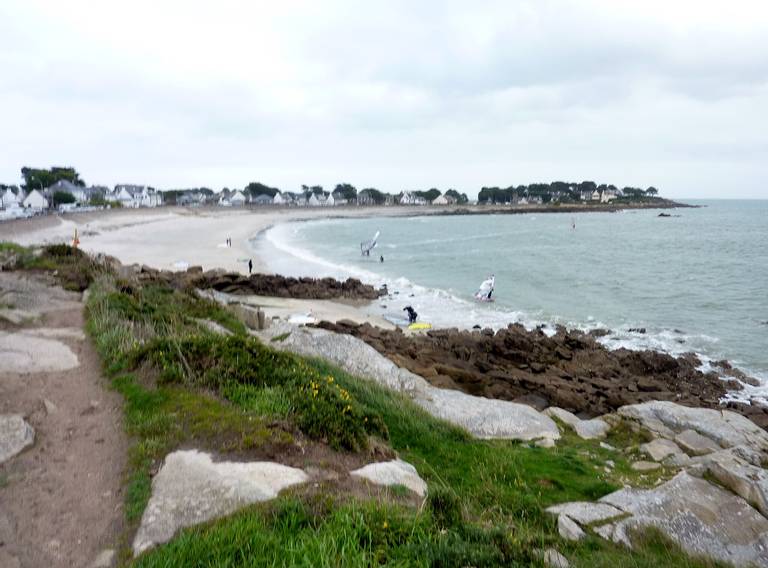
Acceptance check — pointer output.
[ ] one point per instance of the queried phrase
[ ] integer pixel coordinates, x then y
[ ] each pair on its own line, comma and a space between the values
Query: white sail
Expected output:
367, 246
486, 288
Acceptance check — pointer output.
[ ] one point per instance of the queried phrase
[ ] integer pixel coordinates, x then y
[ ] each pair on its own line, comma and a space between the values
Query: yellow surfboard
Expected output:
419, 325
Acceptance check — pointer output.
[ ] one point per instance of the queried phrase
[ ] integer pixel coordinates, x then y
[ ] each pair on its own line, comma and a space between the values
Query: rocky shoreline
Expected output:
571, 369
273, 285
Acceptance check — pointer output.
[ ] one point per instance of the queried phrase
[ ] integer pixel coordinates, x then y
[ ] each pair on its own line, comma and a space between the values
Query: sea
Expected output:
695, 281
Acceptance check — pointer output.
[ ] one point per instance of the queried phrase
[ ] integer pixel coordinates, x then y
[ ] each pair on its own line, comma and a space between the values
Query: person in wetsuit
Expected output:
412, 315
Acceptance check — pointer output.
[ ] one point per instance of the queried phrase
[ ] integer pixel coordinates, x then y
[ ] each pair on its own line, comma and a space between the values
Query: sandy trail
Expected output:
61, 499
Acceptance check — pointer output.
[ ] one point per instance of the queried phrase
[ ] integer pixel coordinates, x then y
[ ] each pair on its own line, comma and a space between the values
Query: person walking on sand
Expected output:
250, 266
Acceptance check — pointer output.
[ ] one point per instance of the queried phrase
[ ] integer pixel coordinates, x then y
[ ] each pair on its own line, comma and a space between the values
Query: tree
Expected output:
460, 198
63, 198
652, 191
376, 196
40, 178
257, 188
429, 195
347, 191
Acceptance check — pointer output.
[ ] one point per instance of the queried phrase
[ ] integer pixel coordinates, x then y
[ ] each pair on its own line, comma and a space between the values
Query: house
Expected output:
237, 199
607, 195
263, 199
77, 191
35, 200
10, 199
191, 198
133, 196
278, 199
440, 200
290, 198
313, 201
329, 201
338, 198
408, 198
365, 197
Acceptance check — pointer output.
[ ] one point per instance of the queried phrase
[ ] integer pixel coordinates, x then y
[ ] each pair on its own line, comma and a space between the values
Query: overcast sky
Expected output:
395, 95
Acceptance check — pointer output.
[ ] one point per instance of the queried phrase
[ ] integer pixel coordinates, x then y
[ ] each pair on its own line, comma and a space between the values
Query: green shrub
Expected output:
326, 410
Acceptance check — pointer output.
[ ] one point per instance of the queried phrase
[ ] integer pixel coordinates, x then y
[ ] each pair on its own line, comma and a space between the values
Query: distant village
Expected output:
61, 190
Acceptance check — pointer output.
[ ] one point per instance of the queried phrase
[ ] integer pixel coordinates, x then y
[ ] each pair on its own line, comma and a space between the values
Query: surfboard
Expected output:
420, 325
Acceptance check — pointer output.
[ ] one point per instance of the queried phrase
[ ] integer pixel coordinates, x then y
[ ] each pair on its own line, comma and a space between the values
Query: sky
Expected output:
397, 95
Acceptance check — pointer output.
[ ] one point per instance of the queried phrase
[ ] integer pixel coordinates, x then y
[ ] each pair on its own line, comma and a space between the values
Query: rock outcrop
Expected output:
395, 472
15, 435
26, 352
586, 429
701, 517
482, 417
191, 488
571, 369
255, 284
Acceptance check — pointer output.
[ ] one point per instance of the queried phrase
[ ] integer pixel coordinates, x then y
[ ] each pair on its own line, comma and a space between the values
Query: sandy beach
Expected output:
170, 238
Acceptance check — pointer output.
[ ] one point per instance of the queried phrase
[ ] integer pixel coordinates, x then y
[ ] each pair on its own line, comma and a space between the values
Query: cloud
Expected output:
396, 94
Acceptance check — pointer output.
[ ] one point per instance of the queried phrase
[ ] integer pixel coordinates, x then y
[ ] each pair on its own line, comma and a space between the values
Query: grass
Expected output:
184, 386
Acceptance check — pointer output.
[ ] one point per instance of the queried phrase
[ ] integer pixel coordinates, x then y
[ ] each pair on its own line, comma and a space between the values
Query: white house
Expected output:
607, 195
329, 201
10, 199
440, 200
313, 201
237, 198
278, 199
35, 200
134, 196
409, 198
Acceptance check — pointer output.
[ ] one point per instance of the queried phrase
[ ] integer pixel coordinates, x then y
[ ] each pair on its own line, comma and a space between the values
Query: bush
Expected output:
323, 409
326, 410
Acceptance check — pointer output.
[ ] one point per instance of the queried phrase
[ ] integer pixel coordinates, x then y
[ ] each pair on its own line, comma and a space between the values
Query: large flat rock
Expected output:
701, 517
395, 472
190, 489
15, 435
482, 417
488, 418
30, 353
743, 478
585, 429
727, 429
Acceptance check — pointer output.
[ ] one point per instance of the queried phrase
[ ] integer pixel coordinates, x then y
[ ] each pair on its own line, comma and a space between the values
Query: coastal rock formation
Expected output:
190, 489
701, 517
570, 369
395, 472
15, 435
255, 284
725, 428
482, 417
586, 429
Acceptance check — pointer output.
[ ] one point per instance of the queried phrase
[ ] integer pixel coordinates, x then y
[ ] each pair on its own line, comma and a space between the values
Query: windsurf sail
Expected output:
485, 290
367, 246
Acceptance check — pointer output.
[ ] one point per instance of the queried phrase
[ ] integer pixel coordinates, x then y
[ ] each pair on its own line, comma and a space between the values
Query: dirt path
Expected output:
60, 500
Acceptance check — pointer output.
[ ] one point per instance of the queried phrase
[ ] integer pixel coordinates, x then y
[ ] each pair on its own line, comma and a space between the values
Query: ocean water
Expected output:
697, 281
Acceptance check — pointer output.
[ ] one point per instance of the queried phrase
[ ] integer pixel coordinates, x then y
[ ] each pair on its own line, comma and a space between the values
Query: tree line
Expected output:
558, 190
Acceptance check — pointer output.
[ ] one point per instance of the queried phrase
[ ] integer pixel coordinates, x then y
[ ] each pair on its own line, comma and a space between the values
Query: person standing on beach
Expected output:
250, 266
